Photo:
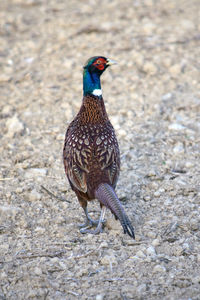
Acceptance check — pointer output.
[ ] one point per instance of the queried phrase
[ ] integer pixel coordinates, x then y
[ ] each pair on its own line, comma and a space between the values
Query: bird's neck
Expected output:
91, 84
92, 111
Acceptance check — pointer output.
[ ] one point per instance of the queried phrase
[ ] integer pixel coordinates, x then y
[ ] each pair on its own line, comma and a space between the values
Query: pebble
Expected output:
167, 97
157, 194
40, 230
151, 173
109, 259
99, 297
38, 271
149, 27
34, 196
147, 198
176, 126
113, 224
35, 172
4, 77
122, 132
179, 148
150, 68
14, 126
151, 251
141, 288
175, 69
189, 164
104, 244
177, 251
159, 268
156, 242
140, 253
6, 110
6, 209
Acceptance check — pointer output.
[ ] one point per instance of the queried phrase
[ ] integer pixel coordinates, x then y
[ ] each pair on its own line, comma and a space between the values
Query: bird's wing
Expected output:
108, 155
75, 161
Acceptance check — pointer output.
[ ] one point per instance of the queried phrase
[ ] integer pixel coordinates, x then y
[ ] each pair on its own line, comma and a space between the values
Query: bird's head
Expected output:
98, 64
92, 71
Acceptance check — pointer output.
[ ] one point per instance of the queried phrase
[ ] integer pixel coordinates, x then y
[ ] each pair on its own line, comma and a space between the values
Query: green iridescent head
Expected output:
93, 69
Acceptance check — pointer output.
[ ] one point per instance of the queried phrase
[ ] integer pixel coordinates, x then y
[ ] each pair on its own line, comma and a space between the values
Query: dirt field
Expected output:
153, 100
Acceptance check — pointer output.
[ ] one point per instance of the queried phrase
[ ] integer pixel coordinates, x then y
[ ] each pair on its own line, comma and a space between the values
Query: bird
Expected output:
91, 153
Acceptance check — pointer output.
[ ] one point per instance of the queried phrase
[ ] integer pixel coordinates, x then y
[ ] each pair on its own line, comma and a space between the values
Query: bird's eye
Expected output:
99, 62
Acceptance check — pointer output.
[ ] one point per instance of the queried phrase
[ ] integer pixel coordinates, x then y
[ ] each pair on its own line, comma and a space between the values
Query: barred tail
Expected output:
107, 196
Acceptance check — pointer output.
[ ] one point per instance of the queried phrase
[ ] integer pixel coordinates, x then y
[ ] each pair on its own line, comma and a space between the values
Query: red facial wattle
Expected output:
100, 64
100, 67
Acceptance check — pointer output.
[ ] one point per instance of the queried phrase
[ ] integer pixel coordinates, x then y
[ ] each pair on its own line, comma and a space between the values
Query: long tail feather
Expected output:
107, 196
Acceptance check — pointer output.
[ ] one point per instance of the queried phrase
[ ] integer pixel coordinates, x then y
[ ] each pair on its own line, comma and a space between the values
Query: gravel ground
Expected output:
153, 100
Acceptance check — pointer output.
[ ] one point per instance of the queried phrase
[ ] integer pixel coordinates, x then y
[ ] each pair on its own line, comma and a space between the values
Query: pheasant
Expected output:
91, 153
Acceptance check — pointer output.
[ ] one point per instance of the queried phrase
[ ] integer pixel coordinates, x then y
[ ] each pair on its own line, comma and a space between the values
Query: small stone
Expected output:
147, 198
151, 234
176, 126
159, 268
14, 126
151, 173
19, 190
179, 148
104, 245
34, 196
109, 259
178, 251
29, 60
141, 288
149, 27
157, 194
122, 132
156, 242
167, 97
175, 69
55, 260
40, 230
38, 271
140, 253
151, 251
187, 24
4, 77
6, 110
99, 297
113, 224
7, 209
189, 164
35, 172
194, 225
3, 275
150, 68
196, 279
60, 137
138, 58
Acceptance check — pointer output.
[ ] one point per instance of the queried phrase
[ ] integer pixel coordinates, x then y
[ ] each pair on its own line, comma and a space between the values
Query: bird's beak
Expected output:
111, 62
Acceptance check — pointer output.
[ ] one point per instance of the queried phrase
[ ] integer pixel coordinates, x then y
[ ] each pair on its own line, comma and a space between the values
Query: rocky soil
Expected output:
153, 100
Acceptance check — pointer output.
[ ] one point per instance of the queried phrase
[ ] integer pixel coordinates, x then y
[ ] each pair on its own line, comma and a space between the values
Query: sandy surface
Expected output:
153, 100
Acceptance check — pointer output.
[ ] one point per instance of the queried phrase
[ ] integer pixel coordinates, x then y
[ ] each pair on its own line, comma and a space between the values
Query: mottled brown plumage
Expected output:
91, 152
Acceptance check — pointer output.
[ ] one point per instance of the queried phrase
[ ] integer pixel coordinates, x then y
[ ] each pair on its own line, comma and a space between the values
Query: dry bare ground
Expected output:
153, 100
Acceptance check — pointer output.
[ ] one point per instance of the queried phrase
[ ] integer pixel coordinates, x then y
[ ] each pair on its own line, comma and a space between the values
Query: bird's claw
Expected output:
98, 230
89, 223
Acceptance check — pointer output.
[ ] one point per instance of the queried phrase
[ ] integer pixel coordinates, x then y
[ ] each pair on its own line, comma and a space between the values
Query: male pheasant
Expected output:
91, 152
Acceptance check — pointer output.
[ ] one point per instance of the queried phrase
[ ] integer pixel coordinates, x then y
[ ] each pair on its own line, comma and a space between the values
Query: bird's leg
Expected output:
99, 227
89, 221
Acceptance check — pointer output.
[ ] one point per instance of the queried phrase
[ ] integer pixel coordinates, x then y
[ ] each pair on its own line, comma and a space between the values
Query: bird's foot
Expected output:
99, 227
89, 223
97, 230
